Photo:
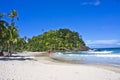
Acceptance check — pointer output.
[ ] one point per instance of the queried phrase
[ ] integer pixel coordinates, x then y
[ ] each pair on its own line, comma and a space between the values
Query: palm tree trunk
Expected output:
0, 47
11, 48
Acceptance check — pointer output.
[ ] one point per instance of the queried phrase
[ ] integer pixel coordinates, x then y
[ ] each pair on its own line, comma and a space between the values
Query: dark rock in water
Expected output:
83, 48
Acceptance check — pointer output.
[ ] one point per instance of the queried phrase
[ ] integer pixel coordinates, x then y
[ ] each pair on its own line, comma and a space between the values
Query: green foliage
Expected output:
62, 39
9, 37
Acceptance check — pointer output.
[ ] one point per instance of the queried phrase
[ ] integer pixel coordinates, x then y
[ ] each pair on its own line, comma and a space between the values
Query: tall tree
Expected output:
13, 15
3, 25
11, 36
12, 30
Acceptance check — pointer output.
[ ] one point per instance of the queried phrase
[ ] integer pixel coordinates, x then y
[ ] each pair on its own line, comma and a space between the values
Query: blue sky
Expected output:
98, 21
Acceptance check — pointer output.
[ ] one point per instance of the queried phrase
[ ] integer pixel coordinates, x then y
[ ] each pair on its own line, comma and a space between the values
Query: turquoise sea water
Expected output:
109, 56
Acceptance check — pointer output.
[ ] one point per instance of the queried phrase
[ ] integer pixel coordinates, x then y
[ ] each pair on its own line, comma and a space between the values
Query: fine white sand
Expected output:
24, 68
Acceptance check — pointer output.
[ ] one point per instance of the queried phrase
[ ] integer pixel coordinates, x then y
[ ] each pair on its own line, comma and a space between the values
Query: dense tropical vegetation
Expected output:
62, 39
9, 37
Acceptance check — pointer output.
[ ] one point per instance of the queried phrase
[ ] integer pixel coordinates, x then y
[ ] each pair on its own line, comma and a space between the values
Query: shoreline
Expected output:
45, 57
51, 61
43, 67
71, 62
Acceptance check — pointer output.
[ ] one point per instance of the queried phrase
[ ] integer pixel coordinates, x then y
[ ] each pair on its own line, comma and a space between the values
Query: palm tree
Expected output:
2, 22
3, 25
11, 36
13, 15
12, 31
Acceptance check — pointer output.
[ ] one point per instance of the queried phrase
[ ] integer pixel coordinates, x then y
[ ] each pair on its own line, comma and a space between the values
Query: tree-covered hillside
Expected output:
62, 39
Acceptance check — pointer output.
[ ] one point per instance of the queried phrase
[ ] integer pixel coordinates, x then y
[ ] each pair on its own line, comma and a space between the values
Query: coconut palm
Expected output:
3, 25
2, 22
13, 15
11, 36
12, 32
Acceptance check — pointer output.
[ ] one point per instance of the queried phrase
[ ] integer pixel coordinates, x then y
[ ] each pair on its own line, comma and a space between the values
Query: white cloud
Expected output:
96, 3
118, 43
103, 42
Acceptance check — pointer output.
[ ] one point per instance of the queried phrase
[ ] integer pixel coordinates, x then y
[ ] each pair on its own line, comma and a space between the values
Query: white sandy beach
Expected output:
27, 69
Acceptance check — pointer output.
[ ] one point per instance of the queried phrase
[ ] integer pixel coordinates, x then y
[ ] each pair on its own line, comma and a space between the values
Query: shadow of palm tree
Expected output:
18, 58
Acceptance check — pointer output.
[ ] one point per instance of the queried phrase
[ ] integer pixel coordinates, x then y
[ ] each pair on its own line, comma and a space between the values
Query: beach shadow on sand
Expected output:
18, 58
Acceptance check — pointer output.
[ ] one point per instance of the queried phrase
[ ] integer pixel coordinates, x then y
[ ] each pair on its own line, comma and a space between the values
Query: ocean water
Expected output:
109, 56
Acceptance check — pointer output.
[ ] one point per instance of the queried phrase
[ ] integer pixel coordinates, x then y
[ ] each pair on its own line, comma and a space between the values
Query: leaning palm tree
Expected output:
12, 31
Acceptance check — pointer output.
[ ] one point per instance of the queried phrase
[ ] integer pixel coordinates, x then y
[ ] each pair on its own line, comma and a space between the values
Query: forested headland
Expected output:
61, 40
